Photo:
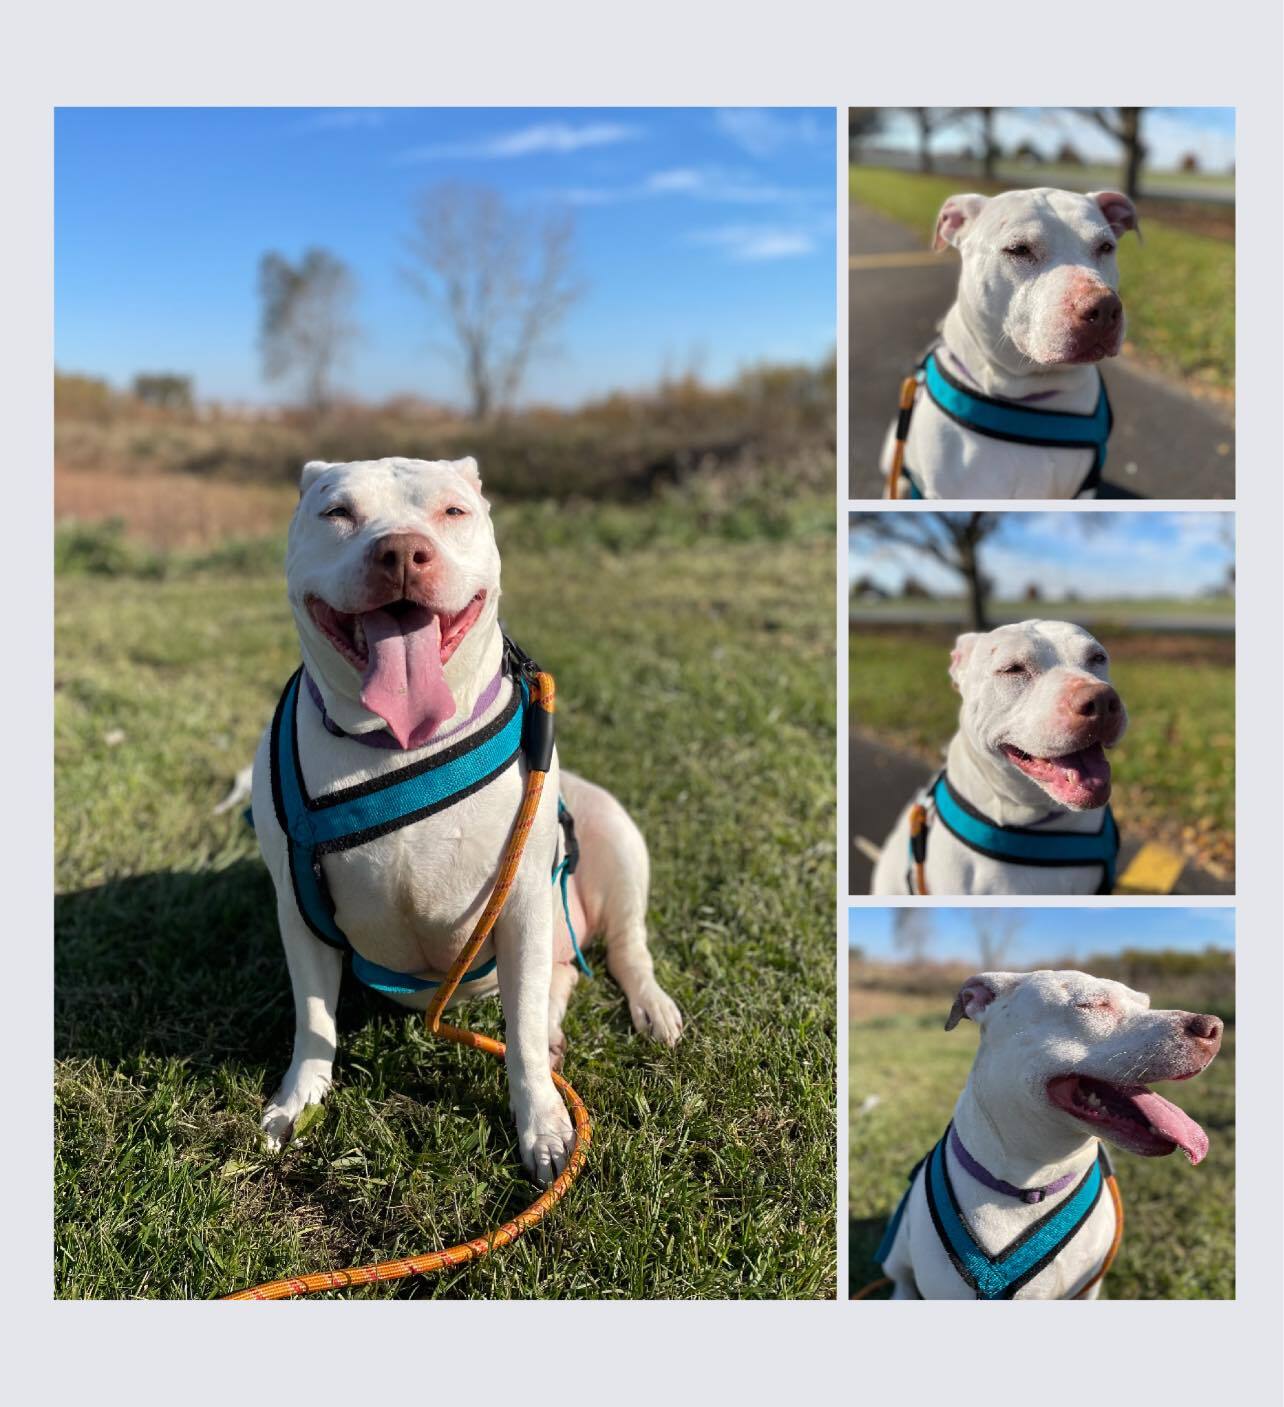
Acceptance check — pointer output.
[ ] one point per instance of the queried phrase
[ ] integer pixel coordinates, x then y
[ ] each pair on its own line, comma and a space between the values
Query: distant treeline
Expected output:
1202, 979
625, 445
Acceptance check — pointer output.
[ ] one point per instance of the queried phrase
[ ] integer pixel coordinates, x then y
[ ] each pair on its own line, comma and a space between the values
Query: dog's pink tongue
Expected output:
403, 681
1172, 1123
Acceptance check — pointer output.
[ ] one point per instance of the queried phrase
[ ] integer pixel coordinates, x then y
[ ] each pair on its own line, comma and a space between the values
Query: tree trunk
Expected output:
924, 141
1134, 151
988, 150
971, 569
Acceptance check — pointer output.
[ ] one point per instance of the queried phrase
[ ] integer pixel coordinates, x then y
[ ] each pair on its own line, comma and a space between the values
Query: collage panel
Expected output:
1041, 703
419, 555
1005, 1141
1042, 303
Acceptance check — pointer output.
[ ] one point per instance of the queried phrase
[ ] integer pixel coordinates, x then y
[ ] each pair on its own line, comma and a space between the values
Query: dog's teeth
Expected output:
358, 634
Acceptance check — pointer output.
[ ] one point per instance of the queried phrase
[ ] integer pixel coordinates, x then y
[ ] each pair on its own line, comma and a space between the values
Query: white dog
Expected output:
393, 576
1021, 805
1011, 403
1064, 1060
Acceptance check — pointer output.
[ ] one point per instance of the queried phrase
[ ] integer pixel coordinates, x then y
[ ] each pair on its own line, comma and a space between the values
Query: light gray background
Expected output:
664, 52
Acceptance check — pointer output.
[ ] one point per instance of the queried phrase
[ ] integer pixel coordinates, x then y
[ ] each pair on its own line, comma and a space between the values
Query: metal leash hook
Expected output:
538, 747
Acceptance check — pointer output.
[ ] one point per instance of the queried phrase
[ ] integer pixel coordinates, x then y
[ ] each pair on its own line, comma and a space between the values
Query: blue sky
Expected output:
1052, 933
706, 237
1103, 555
1169, 132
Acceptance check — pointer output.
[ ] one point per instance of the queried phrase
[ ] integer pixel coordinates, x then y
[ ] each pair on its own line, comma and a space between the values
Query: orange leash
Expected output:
909, 388
917, 825
543, 696
1113, 1184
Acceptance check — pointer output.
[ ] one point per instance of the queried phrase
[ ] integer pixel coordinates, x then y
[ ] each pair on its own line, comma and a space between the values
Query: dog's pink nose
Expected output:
400, 558
1097, 308
1086, 699
1204, 1028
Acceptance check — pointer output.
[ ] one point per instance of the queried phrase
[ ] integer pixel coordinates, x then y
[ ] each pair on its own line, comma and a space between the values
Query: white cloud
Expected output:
764, 131
757, 243
342, 119
707, 183
541, 139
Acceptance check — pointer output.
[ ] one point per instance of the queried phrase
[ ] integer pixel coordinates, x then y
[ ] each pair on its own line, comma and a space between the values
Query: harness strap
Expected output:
1003, 420
562, 872
1000, 1276
352, 816
1017, 845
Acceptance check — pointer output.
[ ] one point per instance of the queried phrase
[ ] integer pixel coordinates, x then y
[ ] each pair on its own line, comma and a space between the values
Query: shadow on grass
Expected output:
189, 966
863, 1236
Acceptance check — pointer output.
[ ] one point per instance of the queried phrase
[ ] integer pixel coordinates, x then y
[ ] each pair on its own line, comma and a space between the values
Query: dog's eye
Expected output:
339, 511
1016, 667
1098, 658
455, 511
1019, 251
1105, 247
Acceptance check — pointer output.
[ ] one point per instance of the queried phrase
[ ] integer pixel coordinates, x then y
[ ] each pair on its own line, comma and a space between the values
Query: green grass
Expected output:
699, 686
1179, 286
1179, 1241
1174, 771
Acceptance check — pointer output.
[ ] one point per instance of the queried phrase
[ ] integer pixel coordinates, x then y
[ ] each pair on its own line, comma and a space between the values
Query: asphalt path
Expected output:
1165, 443
882, 781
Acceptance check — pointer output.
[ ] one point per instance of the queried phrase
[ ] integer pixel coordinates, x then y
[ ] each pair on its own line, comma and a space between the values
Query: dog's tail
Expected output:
241, 791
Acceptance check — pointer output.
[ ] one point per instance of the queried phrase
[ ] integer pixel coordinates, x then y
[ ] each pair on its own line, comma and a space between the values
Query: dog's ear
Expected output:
959, 657
976, 994
468, 469
309, 473
1120, 212
957, 212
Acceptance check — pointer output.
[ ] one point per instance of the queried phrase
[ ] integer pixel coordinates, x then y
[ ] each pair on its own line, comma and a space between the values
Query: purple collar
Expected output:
381, 738
997, 1184
1015, 400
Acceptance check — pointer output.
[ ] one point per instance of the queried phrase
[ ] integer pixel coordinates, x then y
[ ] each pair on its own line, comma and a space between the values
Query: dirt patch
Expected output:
167, 511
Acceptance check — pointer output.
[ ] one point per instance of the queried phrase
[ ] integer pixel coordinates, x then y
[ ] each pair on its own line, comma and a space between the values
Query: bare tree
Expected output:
304, 321
862, 123
1124, 125
912, 933
954, 540
500, 280
996, 931
929, 121
989, 144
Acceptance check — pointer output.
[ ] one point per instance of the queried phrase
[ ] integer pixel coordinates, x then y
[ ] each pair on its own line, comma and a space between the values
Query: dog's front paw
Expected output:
298, 1090
655, 1013
546, 1137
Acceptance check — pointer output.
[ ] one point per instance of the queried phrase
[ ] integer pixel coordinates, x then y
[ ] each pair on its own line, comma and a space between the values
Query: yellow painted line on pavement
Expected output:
1154, 870
906, 259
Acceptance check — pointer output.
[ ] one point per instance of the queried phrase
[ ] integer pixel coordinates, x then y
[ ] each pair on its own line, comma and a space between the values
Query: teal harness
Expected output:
1018, 424
999, 1277
316, 826
1016, 845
